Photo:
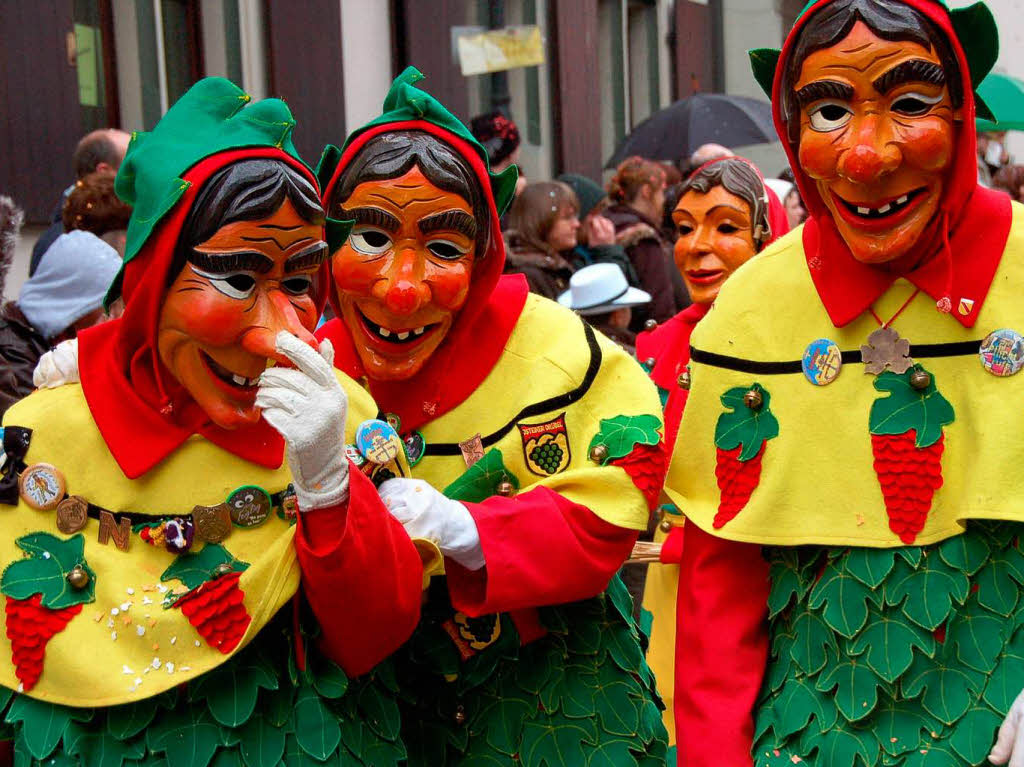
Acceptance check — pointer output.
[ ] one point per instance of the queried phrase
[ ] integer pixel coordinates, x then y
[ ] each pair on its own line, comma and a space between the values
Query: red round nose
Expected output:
402, 297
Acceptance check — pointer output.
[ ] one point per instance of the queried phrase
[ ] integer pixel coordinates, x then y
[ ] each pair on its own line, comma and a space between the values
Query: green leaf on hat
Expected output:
187, 736
799, 705
975, 734
977, 640
100, 749
479, 481
813, 640
978, 34
929, 594
965, 552
195, 569
262, 743
898, 728
557, 745
623, 432
946, 691
230, 691
744, 426
870, 566
906, 408
853, 686
316, 728
44, 571
42, 724
889, 646
764, 61
844, 598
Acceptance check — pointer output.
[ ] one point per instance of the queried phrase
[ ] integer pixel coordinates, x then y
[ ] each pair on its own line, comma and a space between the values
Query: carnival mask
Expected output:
876, 136
404, 272
238, 290
715, 239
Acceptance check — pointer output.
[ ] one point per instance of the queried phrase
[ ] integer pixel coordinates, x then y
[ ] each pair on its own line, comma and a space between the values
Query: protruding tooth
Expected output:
240, 380
902, 199
418, 331
885, 208
404, 335
863, 211
384, 333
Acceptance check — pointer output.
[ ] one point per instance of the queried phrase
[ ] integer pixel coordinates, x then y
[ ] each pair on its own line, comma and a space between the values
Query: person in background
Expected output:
637, 192
992, 155
596, 236
725, 215
600, 294
64, 296
500, 139
705, 153
1010, 179
98, 150
92, 206
543, 227
11, 219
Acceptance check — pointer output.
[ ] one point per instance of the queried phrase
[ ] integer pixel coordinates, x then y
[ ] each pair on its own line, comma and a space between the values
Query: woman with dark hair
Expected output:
637, 193
167, 465
724, 216
1010, 179
543, 223
510, 409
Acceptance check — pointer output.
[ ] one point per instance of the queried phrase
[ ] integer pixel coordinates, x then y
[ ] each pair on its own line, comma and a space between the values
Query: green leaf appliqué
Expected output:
744, 426
906, 408
624, 432
44, 571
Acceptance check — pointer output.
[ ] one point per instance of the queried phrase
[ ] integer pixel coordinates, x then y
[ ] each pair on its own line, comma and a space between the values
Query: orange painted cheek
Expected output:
355, 275
450, 286
207, 317
928, 146
734, 253
818, 157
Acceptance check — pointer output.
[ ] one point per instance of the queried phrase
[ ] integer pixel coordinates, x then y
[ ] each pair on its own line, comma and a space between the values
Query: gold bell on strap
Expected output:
78, 577
505, 488
753, 399
920, 379
599, 453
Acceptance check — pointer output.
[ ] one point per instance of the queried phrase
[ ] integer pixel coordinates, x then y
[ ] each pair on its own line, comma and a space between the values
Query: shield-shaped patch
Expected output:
545, 446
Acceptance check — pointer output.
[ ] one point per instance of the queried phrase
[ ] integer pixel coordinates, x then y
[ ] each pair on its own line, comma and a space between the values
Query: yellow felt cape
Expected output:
817, 482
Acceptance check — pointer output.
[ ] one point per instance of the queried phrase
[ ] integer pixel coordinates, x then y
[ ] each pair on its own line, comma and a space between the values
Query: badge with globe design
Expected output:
546, 446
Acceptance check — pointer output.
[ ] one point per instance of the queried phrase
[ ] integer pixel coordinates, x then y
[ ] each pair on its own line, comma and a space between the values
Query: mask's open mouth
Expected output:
391, 336
231, 379
884, 210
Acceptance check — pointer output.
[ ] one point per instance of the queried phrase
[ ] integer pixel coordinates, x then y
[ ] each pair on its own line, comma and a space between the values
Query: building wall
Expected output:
1010, 18
747, 24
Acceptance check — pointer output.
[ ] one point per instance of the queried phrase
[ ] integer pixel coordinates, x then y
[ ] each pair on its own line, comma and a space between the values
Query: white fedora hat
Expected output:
601, 288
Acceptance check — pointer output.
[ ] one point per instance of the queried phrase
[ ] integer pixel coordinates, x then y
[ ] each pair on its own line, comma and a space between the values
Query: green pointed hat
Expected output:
212, 117
406, 102
975, 29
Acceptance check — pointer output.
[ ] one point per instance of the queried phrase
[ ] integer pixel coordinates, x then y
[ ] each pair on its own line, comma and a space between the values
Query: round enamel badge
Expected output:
378, 441
41, 486
1002, 352
249, 506
822, 362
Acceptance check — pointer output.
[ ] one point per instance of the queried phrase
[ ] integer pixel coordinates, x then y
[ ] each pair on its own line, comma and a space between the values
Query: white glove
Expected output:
307, 406
58, 366
1010, 740
427, 513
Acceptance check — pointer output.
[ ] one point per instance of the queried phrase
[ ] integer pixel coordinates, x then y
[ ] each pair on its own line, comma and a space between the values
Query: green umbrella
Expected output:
1005, 97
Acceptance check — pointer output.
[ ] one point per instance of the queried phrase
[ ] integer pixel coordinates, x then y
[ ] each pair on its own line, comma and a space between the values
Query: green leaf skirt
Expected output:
908, 656
581, 696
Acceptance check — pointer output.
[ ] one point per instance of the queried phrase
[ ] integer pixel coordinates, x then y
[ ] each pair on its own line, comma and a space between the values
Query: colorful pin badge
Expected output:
415, 446
1002, 352
41, 486
249, 506
822, 362
353, 454
378, 441
394, 420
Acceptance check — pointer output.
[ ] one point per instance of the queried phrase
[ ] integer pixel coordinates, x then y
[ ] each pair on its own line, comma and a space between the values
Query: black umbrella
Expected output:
705, 118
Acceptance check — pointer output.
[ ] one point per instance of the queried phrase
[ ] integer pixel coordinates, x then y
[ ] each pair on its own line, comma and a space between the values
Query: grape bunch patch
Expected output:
546, 446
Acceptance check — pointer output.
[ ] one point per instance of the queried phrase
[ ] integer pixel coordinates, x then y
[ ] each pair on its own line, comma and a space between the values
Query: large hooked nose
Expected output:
278, 315
872, 154
403, 288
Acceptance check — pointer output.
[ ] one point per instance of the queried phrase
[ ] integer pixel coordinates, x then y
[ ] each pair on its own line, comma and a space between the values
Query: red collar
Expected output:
963, 271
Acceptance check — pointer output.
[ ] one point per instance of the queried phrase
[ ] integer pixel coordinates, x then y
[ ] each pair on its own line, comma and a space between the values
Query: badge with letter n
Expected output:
546, 446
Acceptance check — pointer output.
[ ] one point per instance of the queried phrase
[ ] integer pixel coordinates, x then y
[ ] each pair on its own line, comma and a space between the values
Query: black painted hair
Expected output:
893, 21
247, 190
740, 179
392, 155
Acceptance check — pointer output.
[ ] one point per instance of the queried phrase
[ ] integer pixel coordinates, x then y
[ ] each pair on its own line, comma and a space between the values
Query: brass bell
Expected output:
505, 488
684, 380
920, 379
650, 324
599, 453
665, 526
78, 577
459, 716
222, 569
753, 399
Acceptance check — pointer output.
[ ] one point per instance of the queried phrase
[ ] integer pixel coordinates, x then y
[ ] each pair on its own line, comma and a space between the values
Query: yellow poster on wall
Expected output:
87, 62
500, 49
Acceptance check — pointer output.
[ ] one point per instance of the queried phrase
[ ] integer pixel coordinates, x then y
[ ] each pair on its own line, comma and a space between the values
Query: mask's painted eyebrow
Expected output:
823, 89
913, 71
372, 217
451, 221
226, 263
314, 255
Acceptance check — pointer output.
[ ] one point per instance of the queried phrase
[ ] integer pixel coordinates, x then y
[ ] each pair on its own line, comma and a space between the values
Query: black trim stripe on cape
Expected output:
741, 365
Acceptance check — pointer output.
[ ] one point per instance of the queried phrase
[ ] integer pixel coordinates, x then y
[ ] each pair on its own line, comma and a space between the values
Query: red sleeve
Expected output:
541, 549
361, 575
721, 648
